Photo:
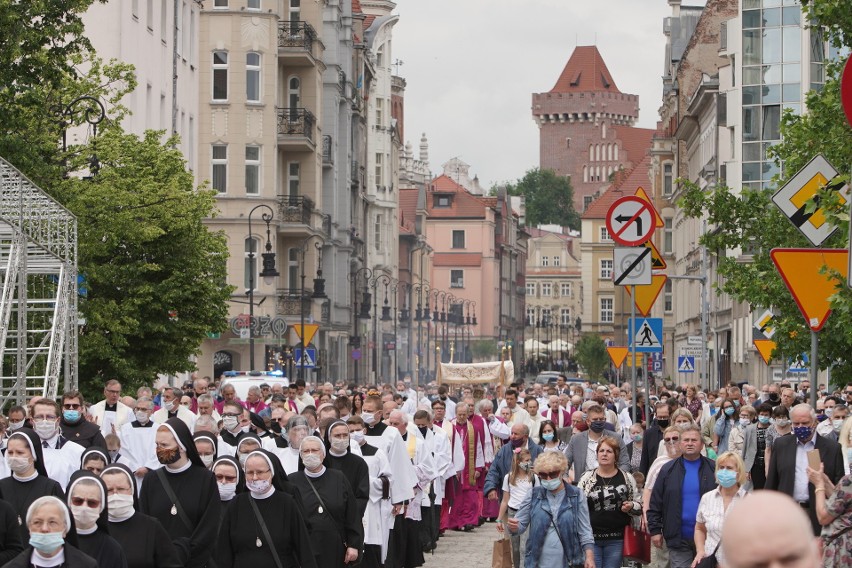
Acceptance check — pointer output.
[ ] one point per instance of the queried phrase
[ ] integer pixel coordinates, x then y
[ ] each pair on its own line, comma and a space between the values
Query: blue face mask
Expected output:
763, 419
730, 411
547, 437
803, 433
726, 477
46, 543
71, 415
551, 484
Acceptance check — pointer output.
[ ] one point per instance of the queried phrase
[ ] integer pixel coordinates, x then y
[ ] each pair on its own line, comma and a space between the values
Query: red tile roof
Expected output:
368, 21
627, 185
407, 210
585, 72
464, 204
457, 259
635, 141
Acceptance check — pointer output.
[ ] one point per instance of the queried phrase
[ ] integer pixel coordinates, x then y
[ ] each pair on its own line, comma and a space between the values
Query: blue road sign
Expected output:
306, 358
685, 364
645, 335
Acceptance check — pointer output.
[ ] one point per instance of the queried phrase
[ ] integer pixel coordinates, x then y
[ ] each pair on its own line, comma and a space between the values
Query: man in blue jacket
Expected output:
675, 498
502, 464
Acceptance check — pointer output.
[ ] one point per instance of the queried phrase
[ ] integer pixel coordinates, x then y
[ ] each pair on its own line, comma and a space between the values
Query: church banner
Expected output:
502, 372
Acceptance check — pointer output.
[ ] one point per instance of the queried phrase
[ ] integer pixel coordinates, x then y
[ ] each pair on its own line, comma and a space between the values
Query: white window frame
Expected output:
606, 269
668, 235
607, 310
294, 180
557, 260
545, 261
293, 255
380, 170
565, 289
530, 321
253, 5
565, 316
220, 4
377, 231
531, 289
456, 282
216, 163
668, 297
218, 68
253, 164
546, 290
250, 263
253, 77
668, 178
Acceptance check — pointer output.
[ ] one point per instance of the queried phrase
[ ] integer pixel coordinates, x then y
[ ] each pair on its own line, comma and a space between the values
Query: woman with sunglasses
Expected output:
87, 501
671, 445
557, 517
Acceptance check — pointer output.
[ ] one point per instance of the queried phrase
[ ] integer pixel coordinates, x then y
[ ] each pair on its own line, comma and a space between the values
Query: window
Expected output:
294, 93
456, 278
587, 200
379, 168
293, 270
253, 5
667, 297
531, 288
377, 232
565, 289
546, 289
134, 9
557, 260
530, 316
606, 310
606, 268
668, 236
253, 77
191, 37
293, 179
441, 201
250, 263
668, 179
220, 3
164, 14
149, 15
458, 239
545, 316
220, 75
252, 170
295, 9
380, 112
565, 316
380, 57
220, 168
545, 261
179, 29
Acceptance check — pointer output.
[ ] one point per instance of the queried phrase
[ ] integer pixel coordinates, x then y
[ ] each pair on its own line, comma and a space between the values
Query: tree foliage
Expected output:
744, 225
592, 356
548, 198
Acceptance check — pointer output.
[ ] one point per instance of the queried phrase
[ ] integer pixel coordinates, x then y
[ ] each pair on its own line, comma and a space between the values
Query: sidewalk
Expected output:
464, 549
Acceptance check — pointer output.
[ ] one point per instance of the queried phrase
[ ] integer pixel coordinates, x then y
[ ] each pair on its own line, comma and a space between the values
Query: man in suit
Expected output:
789, 461
582, 448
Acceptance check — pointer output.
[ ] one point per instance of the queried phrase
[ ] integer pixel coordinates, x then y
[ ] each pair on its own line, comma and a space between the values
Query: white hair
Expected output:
49, 500
484, 403
403, 417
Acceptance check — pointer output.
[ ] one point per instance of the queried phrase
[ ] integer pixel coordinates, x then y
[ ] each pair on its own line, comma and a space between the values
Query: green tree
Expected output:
548, 198
484, 350
746, 220
592, 356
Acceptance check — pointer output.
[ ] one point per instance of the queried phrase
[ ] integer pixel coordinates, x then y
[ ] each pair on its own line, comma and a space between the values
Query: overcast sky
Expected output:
472, 66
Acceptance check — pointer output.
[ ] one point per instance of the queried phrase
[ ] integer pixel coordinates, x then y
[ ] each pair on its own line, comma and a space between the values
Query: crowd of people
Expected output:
337, 475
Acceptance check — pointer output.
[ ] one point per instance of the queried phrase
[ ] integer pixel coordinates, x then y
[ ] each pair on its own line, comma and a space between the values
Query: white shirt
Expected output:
592, 454
654, 471
517, 492
800, 485
712, 512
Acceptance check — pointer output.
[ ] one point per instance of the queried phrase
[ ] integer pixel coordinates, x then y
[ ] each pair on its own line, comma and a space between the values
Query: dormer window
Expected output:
442, 200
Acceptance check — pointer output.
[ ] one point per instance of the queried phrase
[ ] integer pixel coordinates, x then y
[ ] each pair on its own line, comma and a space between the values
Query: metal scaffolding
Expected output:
38, 306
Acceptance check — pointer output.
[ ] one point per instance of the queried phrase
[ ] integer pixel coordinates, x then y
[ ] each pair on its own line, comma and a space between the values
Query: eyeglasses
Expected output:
113, 391
90, 503
252, 474
549, 474
229, 415
671, 440
68, 406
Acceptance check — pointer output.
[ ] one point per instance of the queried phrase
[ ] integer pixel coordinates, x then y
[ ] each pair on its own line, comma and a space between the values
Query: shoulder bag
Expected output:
326, 509
265, 531
177, 509
710, 561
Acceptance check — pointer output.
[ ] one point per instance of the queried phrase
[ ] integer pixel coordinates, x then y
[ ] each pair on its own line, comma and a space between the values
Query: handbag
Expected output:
637, 545
501, 557
709, 561
265, 531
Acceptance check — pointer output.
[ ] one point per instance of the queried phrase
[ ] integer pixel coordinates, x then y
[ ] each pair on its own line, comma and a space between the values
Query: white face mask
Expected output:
86, 517
368, 418
258, 485
246, 428
243, 458
312, 461
208, 460
120, 506
357, 436
46, 429
169, 406
230, 423
227, 491
339, 446
142, 416
16, 425
18, 465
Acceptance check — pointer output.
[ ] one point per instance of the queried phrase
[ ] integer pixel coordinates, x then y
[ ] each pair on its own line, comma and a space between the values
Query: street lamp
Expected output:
363, 313
318, 293
384, 279
93, 113
268, 273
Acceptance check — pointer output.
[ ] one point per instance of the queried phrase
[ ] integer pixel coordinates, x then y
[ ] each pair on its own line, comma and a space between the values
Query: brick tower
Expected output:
586, 126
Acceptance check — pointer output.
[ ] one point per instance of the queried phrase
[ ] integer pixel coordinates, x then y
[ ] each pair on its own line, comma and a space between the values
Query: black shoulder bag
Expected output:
327, 510
177, 509
265, 531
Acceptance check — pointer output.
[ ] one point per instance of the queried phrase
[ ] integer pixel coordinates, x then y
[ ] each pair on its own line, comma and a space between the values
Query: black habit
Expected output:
103, 548
145, 543
21, 494
10, 535
357, 472
82, 432
74, 558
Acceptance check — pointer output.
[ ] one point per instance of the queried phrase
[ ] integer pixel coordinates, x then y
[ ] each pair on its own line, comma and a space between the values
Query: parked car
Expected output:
549, 378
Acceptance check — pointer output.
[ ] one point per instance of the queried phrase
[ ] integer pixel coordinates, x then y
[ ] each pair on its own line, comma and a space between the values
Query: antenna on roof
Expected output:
397, 63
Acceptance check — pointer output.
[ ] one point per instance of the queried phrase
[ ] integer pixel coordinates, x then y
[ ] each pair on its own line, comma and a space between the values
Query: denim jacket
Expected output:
575, 529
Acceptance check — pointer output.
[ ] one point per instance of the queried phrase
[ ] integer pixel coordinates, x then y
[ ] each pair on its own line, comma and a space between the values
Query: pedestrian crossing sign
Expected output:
685, 364
306, 358
646, 335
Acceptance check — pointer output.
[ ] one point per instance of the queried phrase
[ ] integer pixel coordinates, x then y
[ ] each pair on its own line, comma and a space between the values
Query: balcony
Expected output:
296, 129
327, 151
295, 209
289, 304
298, 44
356, 175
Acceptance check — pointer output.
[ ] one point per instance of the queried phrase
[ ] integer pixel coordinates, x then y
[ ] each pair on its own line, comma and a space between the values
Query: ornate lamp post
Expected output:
268, 273
318, 293
93, 113
362, 313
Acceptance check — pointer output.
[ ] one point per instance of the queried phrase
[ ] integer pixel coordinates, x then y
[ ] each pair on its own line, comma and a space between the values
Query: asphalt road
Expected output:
464, 549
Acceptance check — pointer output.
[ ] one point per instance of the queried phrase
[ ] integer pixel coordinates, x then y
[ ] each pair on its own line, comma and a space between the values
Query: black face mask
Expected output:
443, 397
663, 422
275, 427
423, 430
773, 397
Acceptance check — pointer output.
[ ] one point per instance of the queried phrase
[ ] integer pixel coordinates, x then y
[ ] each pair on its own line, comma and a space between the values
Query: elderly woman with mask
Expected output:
87, 500
183, 494
297, 429
49, 522
331, 510
142, 538
264, 526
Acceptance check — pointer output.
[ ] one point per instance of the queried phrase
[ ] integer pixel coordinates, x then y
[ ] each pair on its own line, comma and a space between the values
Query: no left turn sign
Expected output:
630, 221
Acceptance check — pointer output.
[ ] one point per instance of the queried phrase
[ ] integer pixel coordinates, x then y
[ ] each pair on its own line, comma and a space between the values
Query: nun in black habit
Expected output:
264, 526
94, 459
354, 467
87, 500
331, 511
29, 479
207, 447
183, 495
143, 539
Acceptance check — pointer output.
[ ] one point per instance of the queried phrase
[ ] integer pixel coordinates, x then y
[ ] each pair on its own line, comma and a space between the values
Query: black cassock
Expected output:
145, 543
21, 494
240, 532
10, 534
102, 548
357, 472
338, 525
196, 490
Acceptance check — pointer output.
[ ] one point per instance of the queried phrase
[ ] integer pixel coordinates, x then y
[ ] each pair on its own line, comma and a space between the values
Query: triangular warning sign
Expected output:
657, 262
617, 354
765, 347
686, 366
306, 333
647, 295
658, 220
801, 271
645, 336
